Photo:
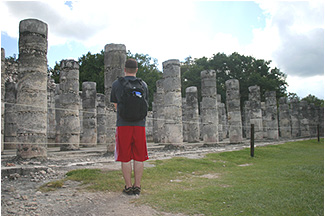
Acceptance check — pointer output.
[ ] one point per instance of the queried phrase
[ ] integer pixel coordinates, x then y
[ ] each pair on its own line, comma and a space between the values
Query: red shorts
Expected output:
131, 144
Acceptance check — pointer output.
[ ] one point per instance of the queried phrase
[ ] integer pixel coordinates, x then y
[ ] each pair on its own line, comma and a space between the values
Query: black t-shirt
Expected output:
116, 94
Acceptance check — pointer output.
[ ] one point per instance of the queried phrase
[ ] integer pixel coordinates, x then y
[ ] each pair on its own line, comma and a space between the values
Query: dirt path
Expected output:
22, 198
20, 182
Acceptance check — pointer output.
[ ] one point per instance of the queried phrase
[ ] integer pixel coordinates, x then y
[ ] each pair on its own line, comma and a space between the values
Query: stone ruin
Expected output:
37, 113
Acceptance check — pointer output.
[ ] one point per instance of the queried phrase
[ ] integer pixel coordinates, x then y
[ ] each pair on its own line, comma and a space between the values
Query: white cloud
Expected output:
294, 36
303, 87
293, 39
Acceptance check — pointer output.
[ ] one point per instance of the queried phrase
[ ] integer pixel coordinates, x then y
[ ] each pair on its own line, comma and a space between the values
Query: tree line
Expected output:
247, 69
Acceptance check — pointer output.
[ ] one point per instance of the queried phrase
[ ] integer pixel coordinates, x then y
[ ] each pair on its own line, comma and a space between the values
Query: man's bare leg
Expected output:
127, 173
138, 171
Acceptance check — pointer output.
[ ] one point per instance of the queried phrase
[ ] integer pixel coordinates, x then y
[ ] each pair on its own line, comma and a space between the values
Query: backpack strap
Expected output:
124, 82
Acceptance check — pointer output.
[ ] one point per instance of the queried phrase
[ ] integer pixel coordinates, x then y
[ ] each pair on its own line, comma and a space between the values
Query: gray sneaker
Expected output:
136, 190
128, 191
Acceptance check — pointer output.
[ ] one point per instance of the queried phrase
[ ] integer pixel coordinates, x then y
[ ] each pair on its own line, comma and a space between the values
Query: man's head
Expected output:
131, 66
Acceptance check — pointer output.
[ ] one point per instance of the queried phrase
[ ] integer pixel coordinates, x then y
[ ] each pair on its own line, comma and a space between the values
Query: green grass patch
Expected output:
283, 179
97, 180
51, 186
286, 179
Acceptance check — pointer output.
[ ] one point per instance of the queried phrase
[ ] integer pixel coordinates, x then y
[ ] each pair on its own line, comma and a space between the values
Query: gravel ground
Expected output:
20, 182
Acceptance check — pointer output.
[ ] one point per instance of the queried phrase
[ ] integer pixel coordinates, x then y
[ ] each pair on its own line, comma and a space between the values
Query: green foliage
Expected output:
92, 69
248, 70
55, 72
313, 99
148, 72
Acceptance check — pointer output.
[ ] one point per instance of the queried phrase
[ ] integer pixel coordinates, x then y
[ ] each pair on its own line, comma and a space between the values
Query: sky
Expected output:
289, 33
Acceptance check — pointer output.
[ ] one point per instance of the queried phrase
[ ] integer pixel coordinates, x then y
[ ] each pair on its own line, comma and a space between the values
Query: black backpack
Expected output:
133, 105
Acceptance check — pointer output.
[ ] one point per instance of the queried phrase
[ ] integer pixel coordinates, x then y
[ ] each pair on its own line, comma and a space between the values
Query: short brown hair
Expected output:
131, 64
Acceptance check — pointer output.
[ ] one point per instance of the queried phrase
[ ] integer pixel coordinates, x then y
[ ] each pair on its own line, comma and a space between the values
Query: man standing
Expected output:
130, 97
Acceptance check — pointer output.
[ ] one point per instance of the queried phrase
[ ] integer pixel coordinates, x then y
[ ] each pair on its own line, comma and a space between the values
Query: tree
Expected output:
55, 72
248, 70
92, 69
313, 99
148, 72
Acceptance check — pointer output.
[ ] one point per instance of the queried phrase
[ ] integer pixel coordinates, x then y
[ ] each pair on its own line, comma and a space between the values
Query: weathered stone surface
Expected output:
158, 113
3, 66
247, 120
51, 121
321, 121
284, 118
101, 119
114, 61
69, 106
192, 115
209, 111
10, 120
149, 126
255, 111
173, 128
313, 118
89, 96
295, 116
304, 121
32, 90
233, 109
57, 114
271, 116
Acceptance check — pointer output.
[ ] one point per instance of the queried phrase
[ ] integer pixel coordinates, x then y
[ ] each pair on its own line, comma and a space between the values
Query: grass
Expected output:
51, 186
285, 179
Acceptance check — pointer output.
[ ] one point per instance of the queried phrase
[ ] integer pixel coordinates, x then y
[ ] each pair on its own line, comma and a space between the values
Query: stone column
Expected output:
32, 90
220, 125
51, 122
247, 120
10, 119
321, 121
3, 69
284, 119
256, 111
89, 114
295, 116
69, 106
149, 126
313, 117
172, 102
57, 114
224, 121
159, 116
114, 61
263, 108
184, 118
101, 119
304, 122
154, 123
193, 122
233, 110
271, 115
209, 107
81, 114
